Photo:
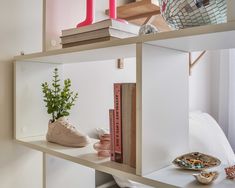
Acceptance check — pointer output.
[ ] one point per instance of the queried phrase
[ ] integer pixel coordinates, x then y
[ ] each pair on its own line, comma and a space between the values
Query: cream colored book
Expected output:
131, 28
101, 33
88, 42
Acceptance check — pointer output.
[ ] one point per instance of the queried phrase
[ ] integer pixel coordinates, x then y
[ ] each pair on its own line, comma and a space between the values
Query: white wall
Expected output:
95, 89
209, 86
231, 104
220, 88
20, 30
200, 84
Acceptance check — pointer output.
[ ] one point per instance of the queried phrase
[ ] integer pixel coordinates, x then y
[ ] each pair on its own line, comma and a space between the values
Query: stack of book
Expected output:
101, 31
123, 124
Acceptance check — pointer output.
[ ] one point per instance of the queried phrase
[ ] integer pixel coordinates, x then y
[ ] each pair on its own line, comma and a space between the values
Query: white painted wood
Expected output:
87, 157
214, 41
184, 178
84, 156
31, 118
164, 131
62, 173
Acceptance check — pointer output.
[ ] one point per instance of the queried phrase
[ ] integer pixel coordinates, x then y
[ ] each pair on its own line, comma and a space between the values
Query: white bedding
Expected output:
206, 136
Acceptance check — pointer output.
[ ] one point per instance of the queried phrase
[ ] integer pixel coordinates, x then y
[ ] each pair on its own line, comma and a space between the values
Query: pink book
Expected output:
118, 123
112, 133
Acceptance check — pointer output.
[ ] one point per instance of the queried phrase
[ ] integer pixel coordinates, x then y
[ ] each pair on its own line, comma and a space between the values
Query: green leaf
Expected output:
59, 100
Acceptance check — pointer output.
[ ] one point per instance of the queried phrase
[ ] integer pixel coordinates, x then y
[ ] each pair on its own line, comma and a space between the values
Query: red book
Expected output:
118, 123
112, 133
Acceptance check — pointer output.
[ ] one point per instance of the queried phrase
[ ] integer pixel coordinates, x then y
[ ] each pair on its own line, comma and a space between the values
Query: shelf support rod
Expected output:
120, 63
193, 63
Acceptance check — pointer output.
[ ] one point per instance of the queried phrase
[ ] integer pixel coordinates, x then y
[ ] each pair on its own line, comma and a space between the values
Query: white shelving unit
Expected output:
161, 73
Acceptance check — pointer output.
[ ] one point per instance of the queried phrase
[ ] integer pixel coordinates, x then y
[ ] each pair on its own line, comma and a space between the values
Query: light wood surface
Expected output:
138, 108
230, 10
168, 177
135, 10
184, 178
44, 167
156, 20
142, 12
209, 37
87, 156
193, 63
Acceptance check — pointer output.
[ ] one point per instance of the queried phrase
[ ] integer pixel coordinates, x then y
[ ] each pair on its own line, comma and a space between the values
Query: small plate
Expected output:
206, 177
196, 161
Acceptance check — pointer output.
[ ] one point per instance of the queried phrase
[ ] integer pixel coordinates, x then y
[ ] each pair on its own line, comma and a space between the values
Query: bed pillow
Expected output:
206, 136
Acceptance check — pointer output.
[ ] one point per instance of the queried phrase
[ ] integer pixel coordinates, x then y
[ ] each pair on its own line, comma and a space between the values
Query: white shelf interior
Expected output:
96, 97
95, 90
163, 118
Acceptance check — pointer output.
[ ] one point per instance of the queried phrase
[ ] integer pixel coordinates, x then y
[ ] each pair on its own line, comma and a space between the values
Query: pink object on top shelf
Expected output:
90, 13
113, 11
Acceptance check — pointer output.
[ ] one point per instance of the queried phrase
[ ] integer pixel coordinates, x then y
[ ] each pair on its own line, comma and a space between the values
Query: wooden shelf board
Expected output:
135, 10
91, 52
87, 156
210, 37
168, 177
184, 178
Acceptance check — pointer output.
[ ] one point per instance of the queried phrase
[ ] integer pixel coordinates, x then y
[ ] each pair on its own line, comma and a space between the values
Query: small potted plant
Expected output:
59, 101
